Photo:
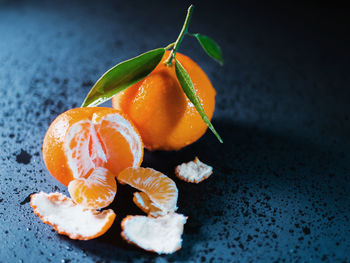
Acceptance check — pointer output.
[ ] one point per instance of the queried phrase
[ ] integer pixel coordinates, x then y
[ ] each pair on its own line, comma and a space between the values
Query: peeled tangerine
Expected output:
70, 219
85, 148
194, 171
161, 235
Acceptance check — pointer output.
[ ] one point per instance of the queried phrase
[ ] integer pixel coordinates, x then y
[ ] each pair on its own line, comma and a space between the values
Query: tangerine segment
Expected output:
79, 145
96, 191
70, 219
82, 139
161, 235
117, 133
157, 105
160, 189
146, 205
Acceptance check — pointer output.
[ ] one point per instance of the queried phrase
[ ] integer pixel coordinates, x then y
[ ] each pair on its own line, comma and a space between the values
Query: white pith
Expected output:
161, 235
68, 217
77, 132
98, 153
79, 160
194, 171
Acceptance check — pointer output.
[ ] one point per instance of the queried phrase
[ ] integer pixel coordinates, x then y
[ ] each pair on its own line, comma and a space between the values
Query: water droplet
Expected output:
26, 200
23, 157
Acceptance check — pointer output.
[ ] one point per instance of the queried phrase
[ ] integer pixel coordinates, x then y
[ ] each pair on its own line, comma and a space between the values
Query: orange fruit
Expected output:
160, 189
70, 219
157, 105
81, 139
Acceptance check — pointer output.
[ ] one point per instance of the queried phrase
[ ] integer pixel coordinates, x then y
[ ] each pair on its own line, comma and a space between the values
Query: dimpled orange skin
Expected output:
160, 110
53, 145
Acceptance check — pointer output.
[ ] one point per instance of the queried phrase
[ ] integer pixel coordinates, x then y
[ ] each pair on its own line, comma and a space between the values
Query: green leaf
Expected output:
187, 86
123, 76
210, 47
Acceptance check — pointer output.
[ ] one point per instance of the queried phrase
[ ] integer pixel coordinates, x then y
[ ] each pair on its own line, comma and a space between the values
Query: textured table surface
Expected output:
281, 182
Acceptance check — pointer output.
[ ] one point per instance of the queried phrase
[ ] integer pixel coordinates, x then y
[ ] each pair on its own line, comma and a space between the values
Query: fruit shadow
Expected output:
248, 155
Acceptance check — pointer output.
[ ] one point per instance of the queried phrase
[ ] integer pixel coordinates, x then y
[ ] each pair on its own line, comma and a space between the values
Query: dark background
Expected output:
280, 188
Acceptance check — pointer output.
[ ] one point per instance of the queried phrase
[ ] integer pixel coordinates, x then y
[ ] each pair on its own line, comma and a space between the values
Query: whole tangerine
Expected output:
158, 107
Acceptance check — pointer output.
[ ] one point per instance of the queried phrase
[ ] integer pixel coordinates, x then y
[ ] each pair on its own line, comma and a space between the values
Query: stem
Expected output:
169, 46
181, 36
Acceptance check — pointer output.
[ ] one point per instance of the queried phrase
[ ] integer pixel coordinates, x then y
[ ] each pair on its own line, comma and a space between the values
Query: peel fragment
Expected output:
70, 219
161, 235
194, 171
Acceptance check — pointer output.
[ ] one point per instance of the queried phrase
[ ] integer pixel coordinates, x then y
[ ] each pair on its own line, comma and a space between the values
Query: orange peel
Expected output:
194, 171
161, 235
70, 219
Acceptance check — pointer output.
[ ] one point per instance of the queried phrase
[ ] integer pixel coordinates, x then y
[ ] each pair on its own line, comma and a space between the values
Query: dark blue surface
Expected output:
280, 188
